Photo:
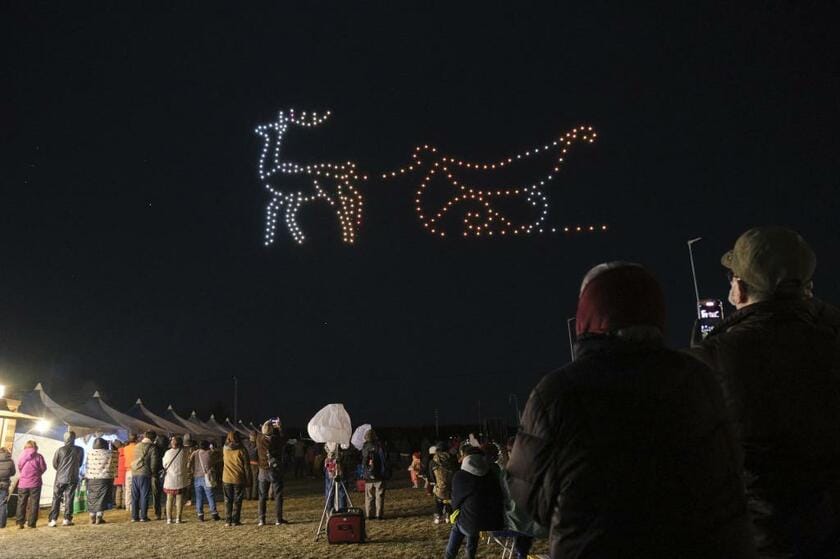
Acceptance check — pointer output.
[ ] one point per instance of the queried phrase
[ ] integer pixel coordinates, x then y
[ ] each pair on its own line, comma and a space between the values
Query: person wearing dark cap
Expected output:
777, 358
67, 462
628, 451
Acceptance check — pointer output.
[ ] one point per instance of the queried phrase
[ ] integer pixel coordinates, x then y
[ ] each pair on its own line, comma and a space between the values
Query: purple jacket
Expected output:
31, 466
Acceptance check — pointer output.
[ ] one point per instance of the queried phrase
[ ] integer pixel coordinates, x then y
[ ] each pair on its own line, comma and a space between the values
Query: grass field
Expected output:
407, 532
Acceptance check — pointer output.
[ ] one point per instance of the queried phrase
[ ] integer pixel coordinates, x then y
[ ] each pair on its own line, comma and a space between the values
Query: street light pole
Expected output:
693, 270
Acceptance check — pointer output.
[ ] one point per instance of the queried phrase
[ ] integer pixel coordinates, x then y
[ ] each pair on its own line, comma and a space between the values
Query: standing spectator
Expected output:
777, 358
157, 478
333, 475
119, 478
235, 477
269, 444
519, 522
99, 475
477, 500
31, 466
376, 470
67, 461
443, 466
630, 446
202, 464
176, 479
415, 469
7, 470
189, 447
430, 475
253, 491
144, 464
128, 458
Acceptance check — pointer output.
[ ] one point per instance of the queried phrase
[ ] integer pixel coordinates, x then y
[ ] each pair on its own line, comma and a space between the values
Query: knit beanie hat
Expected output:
618, 295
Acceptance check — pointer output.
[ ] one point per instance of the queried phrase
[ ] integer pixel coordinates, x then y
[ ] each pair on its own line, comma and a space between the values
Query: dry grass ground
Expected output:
407, 532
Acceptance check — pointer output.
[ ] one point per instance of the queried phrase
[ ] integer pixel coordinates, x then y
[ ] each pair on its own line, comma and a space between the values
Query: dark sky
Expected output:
132, 216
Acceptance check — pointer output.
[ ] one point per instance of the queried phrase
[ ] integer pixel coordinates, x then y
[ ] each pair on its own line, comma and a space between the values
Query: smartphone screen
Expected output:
710, 314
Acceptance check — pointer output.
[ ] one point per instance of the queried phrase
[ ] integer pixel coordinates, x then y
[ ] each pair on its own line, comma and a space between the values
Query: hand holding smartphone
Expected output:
709, 315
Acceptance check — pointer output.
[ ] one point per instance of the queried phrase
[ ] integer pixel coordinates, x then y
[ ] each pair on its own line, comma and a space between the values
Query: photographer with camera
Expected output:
270, 445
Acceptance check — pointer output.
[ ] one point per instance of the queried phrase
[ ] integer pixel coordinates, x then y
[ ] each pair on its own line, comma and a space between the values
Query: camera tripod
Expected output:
337, 485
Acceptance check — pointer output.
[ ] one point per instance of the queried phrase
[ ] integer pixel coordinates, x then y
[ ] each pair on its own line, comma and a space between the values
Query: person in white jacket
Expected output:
176, 479
99, 477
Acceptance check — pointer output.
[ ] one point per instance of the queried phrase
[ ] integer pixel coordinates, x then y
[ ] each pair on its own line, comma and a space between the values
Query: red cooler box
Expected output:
346, 526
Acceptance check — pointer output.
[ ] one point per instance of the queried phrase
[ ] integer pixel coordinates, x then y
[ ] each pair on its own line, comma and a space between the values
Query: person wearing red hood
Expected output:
629, 451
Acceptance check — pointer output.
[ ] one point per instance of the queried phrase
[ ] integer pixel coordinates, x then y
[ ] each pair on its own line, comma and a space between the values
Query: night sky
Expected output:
131, 239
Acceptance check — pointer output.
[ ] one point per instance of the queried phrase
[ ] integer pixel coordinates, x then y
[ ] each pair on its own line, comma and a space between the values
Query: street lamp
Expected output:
693, 270
42, 425
2, 391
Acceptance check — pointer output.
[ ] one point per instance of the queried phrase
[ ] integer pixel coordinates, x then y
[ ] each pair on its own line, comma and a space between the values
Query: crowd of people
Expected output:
728, 448
151, 471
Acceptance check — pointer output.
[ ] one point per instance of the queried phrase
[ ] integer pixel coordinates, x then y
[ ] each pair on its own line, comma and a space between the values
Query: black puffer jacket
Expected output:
779, 364
7, 468
67, 462
477, 495
628, 452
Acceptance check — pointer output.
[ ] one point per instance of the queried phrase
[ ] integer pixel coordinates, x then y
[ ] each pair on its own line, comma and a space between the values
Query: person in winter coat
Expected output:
518, 521
189, 448
778, 360
119, 478
202, 465
235, 478
477, 502
630, 446
128, 458
443, 466
252, 493
415, 469
99, 478
67, 462
176, 479
144, 464
333, 477
7, 470
376, 470
158, 497
269, 444
31, 466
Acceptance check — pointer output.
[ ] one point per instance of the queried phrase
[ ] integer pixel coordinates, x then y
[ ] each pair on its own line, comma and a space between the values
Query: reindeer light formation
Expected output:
345, 198
484, 218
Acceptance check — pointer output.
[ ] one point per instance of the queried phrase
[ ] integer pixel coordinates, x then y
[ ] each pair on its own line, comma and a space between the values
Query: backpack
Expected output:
377, 464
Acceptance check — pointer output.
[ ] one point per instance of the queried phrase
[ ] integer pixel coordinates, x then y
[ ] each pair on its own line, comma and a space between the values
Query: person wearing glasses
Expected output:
777, 358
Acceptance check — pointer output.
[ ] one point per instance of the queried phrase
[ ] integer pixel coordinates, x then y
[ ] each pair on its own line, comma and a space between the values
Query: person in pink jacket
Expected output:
31, 466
